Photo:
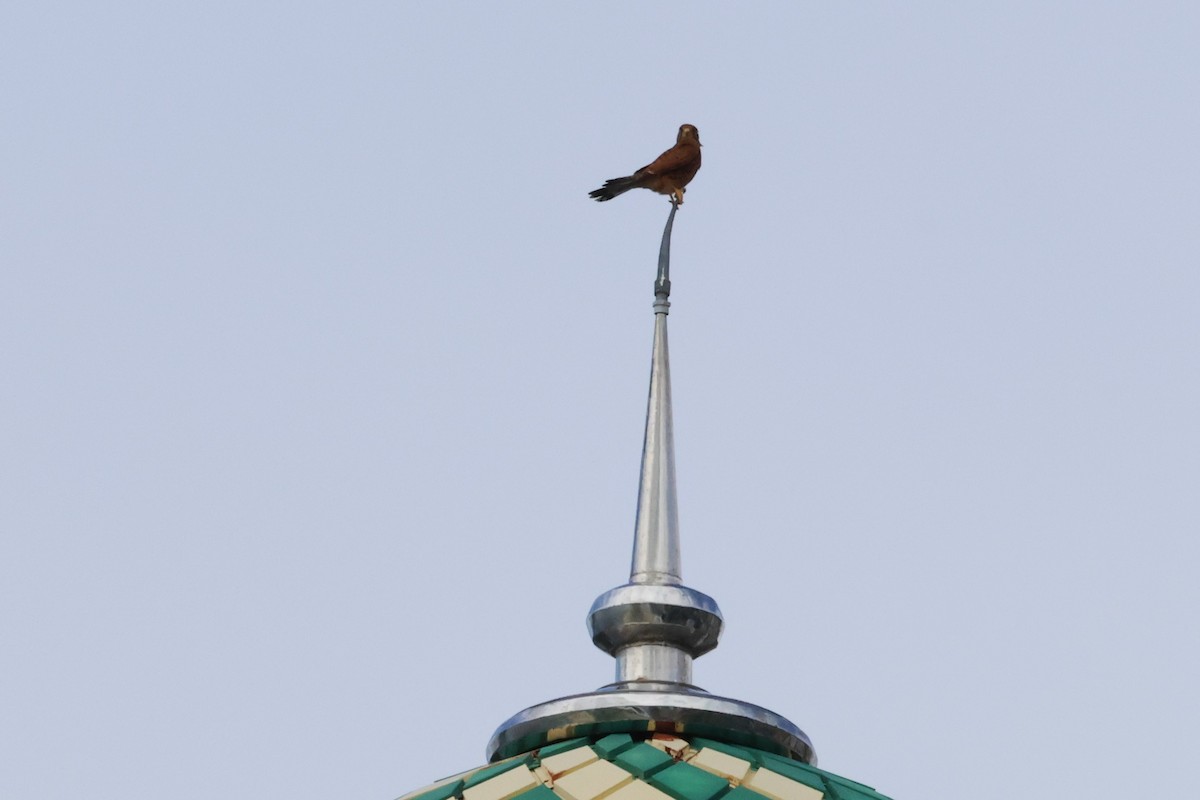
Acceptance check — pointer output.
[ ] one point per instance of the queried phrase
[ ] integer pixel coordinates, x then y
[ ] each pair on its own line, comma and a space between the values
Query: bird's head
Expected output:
688, 133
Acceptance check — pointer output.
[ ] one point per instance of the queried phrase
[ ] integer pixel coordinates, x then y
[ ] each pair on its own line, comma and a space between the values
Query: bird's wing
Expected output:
678, 157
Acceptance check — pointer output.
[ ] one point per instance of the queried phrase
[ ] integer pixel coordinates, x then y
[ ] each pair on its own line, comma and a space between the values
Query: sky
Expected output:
324, 383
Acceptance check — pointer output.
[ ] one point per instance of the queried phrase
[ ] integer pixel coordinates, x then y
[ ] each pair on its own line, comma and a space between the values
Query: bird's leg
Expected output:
677, 197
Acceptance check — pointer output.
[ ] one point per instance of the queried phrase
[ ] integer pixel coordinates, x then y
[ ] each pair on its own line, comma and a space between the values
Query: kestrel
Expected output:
668, 173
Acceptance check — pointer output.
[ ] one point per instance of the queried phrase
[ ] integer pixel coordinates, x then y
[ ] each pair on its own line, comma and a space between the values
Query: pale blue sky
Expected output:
324, 382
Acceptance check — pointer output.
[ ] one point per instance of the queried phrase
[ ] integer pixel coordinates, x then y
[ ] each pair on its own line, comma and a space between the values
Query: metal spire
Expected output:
656, 533
653, 626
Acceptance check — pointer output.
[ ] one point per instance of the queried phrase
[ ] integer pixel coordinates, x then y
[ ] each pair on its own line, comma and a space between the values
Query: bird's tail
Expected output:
612, 188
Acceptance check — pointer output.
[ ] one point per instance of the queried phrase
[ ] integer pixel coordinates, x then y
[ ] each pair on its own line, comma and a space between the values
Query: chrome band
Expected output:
684, 713
642, 663
645, 613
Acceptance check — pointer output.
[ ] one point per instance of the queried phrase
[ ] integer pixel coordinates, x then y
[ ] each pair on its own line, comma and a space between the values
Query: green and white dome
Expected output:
655, 766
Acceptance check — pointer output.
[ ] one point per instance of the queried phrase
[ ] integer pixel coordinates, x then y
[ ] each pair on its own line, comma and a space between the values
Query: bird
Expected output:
667, 174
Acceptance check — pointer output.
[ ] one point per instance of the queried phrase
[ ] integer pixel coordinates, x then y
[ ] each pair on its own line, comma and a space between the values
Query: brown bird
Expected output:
668, 173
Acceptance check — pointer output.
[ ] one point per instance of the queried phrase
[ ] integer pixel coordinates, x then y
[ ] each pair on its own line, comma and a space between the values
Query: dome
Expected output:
650, 766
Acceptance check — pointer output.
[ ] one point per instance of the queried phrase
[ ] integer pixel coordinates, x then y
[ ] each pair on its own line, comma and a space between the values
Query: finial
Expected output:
662, 284
653, 626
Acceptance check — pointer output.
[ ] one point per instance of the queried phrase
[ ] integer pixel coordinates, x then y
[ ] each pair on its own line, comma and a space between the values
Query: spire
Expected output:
656, 534
654, 625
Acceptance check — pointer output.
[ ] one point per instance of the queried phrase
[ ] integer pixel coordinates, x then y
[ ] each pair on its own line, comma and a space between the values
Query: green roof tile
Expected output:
846, 789
490, 772
610, 745
560, 747
452, 789
538, 793
843, 792
742, 793
685, 782
643, 760
853, 784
